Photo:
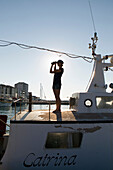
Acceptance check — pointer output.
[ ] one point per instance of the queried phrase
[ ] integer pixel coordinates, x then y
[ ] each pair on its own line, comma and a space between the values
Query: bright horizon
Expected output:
63, 25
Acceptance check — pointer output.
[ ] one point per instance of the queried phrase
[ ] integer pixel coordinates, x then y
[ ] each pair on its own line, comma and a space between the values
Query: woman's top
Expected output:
57, 79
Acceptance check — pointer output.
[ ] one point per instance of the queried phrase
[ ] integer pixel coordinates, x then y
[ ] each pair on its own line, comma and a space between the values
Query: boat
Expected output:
5, 101
80, 138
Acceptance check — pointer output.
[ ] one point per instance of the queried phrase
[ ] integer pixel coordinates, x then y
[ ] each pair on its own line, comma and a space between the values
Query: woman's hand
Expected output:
53, 63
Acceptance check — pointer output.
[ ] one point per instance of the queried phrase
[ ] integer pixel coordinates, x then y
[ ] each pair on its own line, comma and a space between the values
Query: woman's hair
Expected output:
60, 61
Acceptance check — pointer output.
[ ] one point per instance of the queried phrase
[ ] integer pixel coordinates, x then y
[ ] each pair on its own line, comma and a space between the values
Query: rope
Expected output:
110, 69
24, 46
4, 122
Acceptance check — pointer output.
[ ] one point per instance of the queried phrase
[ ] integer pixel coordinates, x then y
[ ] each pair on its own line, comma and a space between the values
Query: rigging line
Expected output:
92, 16
24, 46
75, 56
110, 69
40, 48
88, 60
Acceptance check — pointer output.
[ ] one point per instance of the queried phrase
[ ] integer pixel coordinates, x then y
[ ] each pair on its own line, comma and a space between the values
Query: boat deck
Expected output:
69, 115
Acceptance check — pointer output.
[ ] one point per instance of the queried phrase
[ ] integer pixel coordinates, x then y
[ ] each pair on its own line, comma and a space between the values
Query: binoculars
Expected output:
54, 62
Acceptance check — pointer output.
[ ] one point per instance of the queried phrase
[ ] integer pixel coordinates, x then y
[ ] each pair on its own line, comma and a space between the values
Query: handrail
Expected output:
17, 100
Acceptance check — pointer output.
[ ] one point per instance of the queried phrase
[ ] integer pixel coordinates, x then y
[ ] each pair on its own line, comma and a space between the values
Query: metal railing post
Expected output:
49, 110
20, 106
15, 110
30, 102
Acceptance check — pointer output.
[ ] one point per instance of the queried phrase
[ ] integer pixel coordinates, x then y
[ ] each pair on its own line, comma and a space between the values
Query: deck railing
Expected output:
30, 103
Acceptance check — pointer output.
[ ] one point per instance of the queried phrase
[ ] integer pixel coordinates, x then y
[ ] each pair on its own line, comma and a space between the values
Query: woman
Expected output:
57, 83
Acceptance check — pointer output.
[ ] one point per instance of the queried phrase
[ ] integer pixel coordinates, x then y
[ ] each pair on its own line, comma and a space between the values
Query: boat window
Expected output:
64, 140
76, 140
104, 102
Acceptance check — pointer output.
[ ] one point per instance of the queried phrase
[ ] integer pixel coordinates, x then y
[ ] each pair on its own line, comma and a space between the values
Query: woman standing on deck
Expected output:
57, 82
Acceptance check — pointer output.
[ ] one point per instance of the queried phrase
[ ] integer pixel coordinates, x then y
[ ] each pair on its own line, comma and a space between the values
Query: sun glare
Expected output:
49, 58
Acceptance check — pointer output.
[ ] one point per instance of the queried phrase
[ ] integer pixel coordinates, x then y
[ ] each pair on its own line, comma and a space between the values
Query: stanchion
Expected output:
49, 110
15, 110
30, 102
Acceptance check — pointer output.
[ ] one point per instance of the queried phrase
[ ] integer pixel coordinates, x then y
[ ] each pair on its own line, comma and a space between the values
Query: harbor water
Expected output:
10, 111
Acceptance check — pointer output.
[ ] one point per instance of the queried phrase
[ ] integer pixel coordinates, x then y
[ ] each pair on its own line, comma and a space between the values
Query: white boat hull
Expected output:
26, 147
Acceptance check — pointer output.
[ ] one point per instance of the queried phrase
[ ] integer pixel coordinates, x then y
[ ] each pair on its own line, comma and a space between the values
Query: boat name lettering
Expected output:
32, 160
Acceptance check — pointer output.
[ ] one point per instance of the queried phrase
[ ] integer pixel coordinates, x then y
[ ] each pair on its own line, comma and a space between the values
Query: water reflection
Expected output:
10, 111
5, 108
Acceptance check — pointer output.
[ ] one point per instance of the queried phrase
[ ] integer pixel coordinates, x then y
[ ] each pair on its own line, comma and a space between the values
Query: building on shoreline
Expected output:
7, 91
20, 90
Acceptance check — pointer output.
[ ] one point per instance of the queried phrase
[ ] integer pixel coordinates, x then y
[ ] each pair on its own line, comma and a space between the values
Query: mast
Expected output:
97, 79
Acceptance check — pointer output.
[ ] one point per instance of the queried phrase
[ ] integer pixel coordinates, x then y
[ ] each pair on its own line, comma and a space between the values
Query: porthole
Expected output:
88, 102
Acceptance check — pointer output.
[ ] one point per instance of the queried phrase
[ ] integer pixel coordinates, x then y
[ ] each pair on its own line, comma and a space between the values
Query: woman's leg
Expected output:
57, 97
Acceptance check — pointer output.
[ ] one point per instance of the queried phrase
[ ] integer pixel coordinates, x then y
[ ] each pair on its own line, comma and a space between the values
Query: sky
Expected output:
63, 25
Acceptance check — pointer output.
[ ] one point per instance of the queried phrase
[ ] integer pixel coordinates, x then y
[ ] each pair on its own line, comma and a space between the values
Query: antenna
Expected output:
95, 38
92, 16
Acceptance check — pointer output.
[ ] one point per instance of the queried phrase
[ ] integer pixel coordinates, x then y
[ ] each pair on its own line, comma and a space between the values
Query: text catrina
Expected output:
46, 160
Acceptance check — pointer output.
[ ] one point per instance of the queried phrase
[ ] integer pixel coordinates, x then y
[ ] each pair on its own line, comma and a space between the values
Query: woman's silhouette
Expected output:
57, 82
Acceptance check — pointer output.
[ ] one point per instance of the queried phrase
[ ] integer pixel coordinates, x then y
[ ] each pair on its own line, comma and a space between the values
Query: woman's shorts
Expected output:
56, 86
